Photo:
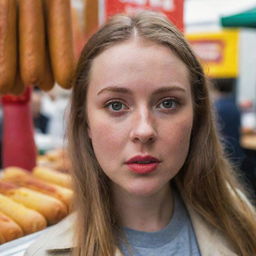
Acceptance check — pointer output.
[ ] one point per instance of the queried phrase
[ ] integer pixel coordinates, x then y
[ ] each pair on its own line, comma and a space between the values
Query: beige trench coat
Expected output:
58, 241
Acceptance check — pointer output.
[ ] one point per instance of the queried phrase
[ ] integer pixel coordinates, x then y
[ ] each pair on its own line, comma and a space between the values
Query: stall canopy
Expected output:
243, 19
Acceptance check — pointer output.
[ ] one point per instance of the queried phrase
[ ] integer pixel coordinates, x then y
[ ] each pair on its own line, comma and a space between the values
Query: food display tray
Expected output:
18, 246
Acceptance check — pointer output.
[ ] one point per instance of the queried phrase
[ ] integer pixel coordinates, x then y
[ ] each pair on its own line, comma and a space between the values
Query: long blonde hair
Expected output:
206, 180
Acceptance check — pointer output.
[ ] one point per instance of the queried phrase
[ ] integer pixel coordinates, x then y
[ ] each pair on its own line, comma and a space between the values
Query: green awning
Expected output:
242, 19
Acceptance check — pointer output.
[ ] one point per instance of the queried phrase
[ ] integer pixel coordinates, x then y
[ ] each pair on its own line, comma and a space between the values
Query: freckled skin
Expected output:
142, 126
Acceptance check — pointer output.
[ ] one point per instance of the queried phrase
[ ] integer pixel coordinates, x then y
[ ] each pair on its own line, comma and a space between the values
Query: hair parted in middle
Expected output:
206, 180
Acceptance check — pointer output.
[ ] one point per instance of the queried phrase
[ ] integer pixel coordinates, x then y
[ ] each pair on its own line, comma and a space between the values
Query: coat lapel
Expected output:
210, 241
64, 236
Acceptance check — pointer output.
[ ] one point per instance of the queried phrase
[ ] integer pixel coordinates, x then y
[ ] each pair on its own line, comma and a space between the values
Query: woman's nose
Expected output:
143, 129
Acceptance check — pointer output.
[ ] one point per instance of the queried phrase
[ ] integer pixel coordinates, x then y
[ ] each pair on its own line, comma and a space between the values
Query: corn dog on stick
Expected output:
21, 177
29, 220
51, 208
48, 81
31, 41
59, 30
9, 229
52, 176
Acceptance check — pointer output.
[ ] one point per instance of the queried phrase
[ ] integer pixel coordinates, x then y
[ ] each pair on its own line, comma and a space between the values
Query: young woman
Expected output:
149, 172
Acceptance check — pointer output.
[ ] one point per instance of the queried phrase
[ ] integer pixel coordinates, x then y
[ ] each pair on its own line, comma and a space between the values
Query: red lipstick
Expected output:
142, 164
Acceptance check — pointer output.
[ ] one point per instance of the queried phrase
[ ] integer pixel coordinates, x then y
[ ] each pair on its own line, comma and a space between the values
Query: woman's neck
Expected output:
144, 213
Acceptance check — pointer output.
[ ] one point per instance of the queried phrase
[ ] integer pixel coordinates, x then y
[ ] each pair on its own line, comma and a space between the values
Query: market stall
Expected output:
242, 20
228, 59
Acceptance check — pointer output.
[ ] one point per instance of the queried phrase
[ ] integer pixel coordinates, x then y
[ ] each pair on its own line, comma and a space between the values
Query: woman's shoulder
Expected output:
59, 238
210, 240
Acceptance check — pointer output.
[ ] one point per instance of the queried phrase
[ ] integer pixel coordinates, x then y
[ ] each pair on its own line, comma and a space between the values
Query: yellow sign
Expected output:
218, 52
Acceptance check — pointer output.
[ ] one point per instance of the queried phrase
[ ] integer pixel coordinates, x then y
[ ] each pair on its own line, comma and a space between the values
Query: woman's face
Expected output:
140, 115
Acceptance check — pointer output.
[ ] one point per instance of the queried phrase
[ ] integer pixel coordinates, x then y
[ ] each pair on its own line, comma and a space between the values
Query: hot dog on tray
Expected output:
51, 208
29, 220
52, 176
21, 177
9, 229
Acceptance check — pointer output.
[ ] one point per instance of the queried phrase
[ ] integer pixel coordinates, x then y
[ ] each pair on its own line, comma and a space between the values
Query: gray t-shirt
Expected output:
176, 239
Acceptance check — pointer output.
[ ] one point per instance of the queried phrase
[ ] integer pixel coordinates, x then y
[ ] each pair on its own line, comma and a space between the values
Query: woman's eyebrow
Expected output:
128, 91
115, 89
169, 89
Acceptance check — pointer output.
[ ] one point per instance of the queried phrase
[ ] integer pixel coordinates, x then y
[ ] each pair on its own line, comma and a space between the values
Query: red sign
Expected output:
173, 9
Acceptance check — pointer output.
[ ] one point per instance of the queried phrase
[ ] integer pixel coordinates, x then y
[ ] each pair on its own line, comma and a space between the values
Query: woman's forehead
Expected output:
136, 61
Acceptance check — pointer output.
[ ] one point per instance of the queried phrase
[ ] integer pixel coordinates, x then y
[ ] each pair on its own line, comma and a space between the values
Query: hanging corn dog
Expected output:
8, 45
51, 208
31, 41
78, 31
9, 229
91, 14
29, 220
21, 177
48, 81
59, 30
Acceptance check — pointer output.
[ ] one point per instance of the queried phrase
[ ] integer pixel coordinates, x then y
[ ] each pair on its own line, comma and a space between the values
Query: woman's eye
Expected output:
168, 104
116, 106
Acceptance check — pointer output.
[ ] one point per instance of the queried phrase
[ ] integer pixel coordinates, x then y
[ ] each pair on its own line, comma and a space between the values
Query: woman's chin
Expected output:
144, 190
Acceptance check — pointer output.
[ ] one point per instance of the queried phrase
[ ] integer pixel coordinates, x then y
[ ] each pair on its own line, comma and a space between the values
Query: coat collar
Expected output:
211, 242
63, 240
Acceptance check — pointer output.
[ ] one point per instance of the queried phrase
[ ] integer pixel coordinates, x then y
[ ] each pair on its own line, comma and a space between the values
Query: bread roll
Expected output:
31, 41
51, 208
59, 31
52, 176
2, 239
57, 159
29, 220
56, 154
9, 229
21, 177
8, 44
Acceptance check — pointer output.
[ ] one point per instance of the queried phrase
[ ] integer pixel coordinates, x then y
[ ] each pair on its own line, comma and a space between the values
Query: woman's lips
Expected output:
142, 164
142, 168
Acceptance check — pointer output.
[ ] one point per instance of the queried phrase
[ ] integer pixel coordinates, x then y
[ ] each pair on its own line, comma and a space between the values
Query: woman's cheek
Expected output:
107, 135
178, 135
